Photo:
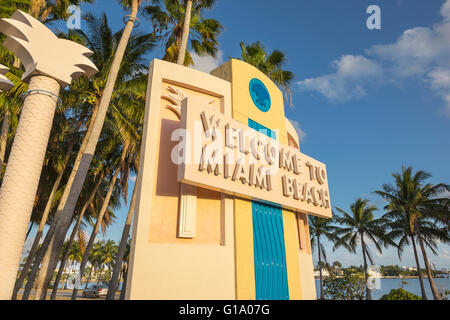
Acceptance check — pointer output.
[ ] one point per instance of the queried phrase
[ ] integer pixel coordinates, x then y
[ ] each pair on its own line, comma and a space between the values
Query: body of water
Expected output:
413, 286
385, 286
90, 284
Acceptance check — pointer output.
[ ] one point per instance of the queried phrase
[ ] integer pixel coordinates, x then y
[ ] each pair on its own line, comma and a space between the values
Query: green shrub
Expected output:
400, 294
348, 287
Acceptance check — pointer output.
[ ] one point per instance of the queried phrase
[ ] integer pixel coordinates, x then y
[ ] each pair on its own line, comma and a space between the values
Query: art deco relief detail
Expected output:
187, 207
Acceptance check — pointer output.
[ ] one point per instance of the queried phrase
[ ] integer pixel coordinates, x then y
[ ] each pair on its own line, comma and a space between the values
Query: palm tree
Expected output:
76, 230
10, 106
5, 85
411, 205
74, 251
90, 202
187, 25
337, 267
109, 252
185, 34
125, 126
94, 260
121, 165
319, 229
358, 225
8, 7
102, 253
172, 16
132, 130
85, 161
429, 232
28, 151
125, 261
270, 64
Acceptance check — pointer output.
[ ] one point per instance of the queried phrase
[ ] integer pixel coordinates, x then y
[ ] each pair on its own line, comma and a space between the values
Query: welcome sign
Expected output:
220, 153
223, 191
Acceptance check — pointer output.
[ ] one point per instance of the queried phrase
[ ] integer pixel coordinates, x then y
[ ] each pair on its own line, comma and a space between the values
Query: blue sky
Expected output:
366, 101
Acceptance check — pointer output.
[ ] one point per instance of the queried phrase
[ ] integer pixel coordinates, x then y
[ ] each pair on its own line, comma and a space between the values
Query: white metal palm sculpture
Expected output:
42, 53
5, 83
50, 63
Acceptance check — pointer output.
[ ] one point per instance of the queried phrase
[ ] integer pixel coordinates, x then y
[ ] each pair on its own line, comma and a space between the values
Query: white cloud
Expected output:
207, 63
445, 194
439, 79
445, 11
356, 67
347, 82
445, 254
420, 53
416, 51
301, 134
447, 105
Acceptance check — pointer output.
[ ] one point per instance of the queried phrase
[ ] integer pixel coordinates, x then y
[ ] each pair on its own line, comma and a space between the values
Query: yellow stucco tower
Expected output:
292, 249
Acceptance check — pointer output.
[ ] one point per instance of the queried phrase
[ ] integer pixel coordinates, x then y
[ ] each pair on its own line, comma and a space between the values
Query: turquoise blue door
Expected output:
268, 242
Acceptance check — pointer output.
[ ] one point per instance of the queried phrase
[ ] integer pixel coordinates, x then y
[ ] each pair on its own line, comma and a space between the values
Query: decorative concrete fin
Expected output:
175, 99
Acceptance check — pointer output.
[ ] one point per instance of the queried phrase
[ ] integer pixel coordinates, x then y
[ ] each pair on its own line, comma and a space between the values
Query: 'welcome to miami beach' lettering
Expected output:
220, 153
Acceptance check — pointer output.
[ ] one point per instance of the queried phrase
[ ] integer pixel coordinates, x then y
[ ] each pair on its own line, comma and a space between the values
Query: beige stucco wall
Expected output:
165, 199
184, 271
307, 280
163, 266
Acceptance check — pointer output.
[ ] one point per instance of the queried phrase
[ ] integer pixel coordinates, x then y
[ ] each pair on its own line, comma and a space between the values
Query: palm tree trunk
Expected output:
73, 190
422, 288
121, 273
37, 239
72, 237
100, 275
29, 230
21, 179
124, 285
113, 284
185, 36
436, 295
89, 277
4, 137
322, 297
366, 274
48, 240
100, 217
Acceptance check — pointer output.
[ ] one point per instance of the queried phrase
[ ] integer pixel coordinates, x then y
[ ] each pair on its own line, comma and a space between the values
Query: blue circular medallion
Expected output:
260, 95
